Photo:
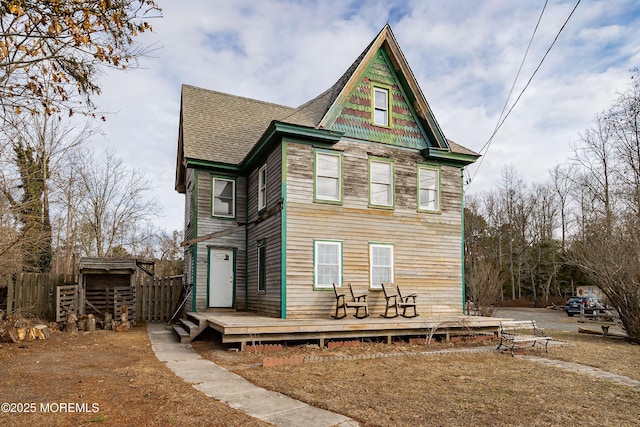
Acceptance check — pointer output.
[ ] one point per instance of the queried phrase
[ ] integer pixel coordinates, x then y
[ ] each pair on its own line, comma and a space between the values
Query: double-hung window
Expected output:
224, 192
262, 187
327, 264
328, 177
380, 264
380, 106
428, 189
381, 183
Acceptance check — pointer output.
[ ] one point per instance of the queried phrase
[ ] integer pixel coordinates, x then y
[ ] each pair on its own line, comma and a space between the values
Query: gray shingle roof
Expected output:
219, 127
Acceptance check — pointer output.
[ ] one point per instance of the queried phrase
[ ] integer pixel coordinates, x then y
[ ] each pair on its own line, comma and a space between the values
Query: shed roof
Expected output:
107, 264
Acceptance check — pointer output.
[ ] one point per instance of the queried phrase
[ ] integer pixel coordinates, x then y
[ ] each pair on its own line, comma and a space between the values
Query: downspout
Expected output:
283, 234
464, 292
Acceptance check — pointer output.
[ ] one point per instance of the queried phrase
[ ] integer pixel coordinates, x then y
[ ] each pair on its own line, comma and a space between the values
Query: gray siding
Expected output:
265, 225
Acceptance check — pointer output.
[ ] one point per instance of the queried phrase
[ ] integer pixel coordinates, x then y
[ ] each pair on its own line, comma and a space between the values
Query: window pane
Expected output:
223, 197
381, 194
327, 264
328, 188
224, 189
381, 260
380, 117
381, 99
381, 172
328, 165
429, 189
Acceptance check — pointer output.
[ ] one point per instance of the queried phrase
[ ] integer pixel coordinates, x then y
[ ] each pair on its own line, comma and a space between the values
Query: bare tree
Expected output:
52, 50
113, 204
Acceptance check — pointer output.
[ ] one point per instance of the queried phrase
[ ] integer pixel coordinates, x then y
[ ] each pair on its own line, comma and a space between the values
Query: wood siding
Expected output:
265, 226
206, 224
427, 246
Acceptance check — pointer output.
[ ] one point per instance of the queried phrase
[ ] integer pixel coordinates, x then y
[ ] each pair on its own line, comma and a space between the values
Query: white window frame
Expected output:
389, 184
233, 198
316, 265
431, 204
338, 177
372, 265
381, 108
262, 187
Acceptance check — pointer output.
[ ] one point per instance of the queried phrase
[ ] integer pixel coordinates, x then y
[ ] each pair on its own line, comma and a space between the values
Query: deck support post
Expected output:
243, 346
389, 340
321, 342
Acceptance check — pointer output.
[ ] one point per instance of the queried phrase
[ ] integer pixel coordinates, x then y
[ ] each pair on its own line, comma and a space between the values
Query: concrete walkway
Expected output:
225, 386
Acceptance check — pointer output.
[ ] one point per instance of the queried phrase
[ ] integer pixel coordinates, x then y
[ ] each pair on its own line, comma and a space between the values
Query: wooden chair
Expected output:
391, 298
358, 302
407, 301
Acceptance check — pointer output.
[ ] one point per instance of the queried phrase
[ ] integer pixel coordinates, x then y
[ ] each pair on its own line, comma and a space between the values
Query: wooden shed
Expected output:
107, 284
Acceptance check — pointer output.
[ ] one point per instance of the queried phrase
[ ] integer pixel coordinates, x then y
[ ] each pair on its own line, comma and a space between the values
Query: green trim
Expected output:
393, 182
283, 234
387, 88
214, 167
438, 189
235, 196
270, 140
446, 156
393, 263
196, 214
341, 178
246, 250
208, 276
315, 267
464, 287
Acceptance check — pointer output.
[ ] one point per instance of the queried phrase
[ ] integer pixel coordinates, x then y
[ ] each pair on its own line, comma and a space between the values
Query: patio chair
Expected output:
407, 301
358, 302
391, 298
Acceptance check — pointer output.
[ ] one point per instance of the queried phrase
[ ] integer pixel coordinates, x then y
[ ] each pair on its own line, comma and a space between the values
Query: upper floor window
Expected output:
380, 106
262, 187
328, 177
381, 183
224, 194
428, 189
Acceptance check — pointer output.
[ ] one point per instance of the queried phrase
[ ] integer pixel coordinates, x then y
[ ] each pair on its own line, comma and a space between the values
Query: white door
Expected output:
221, 277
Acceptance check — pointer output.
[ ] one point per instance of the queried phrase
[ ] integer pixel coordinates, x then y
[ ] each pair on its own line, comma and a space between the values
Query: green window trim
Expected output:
381, 114
232, 197
373, 181
374, 263
317, 177
437, 200
318, 271
262, 266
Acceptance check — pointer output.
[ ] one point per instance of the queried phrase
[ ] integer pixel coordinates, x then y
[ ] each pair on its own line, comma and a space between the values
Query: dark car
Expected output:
574, 304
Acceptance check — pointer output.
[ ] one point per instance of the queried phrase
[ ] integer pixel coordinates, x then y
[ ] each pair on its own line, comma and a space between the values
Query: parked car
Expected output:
590, 304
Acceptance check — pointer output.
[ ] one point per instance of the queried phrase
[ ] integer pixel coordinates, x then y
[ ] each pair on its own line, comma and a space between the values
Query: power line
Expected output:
501, 122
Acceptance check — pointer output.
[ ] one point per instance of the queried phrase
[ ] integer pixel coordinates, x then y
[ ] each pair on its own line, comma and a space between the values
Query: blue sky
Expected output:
464, 54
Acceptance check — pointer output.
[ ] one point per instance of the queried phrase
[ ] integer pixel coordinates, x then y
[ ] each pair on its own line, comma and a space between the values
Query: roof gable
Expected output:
354, 115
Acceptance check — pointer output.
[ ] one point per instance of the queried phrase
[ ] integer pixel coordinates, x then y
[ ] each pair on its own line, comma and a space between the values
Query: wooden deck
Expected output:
245, 327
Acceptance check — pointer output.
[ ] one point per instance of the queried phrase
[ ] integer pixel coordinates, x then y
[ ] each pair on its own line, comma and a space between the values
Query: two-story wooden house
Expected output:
358, 185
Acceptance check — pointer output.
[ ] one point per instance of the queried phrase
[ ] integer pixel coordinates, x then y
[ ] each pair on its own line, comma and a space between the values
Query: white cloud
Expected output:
464, 54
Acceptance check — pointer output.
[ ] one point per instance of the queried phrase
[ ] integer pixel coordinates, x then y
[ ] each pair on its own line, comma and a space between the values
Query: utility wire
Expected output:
501, 122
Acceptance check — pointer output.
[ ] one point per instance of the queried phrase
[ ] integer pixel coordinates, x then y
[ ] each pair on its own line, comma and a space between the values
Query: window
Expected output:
262, 266
429, 189
262, 187
328, 264
380, 106
328, 177
380, 264
223, 197
381, 183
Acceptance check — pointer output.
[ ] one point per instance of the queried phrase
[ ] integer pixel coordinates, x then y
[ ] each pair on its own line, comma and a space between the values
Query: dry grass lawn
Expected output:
487, 388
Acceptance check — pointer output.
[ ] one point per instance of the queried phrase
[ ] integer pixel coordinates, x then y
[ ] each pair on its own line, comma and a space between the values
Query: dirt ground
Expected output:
111, 378
101, 378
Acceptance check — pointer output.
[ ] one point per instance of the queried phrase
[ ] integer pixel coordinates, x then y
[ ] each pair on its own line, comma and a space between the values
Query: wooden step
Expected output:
182, 333
189, 326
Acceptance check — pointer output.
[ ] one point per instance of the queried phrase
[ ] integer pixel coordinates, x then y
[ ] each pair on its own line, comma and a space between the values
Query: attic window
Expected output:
380, 106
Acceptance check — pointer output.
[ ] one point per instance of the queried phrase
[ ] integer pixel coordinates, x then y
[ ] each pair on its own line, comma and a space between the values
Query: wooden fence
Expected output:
35, 293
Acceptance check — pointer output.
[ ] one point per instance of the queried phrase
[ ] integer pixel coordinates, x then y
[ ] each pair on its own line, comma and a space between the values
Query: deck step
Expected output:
182, 333
189, 325
195, 318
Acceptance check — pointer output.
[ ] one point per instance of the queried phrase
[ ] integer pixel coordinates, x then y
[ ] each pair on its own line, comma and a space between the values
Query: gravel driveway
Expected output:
547, 318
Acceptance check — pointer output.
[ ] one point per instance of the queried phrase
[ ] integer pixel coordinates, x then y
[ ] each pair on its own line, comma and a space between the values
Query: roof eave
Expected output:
447, 156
